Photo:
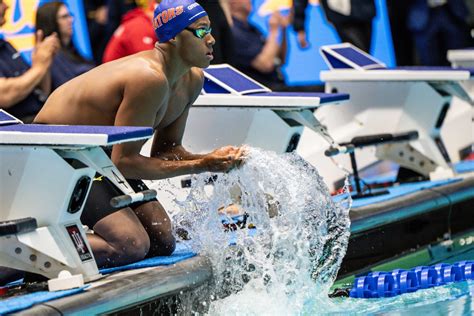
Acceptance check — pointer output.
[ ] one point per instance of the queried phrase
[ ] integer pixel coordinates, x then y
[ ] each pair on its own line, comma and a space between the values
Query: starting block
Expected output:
389, 101
240, 110
46, 172
462, 57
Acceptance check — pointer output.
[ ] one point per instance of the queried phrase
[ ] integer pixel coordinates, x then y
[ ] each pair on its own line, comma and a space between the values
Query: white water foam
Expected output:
293, 257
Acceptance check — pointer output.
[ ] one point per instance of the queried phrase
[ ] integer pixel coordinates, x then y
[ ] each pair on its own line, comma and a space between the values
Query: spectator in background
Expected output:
257, 56
54, 17
116, 9
438, 26
470, 18
96, 15
23, 89
352, 20
221, 17
402, 44
135, 33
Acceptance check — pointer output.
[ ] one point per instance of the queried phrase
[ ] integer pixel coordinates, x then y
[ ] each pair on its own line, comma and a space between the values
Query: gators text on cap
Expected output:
173, 16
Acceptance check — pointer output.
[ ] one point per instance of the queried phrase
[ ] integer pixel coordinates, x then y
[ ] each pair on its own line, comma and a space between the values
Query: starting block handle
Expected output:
17, 226
377, 139
122, 201
336, 150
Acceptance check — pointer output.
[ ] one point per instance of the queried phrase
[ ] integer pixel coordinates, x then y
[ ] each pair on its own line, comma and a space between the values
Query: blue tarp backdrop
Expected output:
303, 66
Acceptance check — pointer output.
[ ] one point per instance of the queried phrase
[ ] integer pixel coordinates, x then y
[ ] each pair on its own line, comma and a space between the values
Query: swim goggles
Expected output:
200, 32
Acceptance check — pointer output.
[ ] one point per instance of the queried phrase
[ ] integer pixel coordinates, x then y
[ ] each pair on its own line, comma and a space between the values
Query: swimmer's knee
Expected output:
163, 246
169, 245
132, 248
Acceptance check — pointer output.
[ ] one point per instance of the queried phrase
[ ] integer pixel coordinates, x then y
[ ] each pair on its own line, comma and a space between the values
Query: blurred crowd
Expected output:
422, 32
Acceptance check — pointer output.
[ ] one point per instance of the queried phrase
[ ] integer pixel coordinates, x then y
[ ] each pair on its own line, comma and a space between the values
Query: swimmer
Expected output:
154, 88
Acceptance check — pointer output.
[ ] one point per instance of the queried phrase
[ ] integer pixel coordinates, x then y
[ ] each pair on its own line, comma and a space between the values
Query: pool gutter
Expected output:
122, 290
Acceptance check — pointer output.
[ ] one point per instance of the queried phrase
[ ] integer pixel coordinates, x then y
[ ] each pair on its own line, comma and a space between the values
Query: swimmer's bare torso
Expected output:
130, 91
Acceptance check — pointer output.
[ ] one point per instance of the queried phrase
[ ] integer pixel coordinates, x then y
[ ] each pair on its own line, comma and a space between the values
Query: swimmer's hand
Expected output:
224, 159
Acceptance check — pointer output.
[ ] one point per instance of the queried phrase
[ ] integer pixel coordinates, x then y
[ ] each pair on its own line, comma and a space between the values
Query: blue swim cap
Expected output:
173, 16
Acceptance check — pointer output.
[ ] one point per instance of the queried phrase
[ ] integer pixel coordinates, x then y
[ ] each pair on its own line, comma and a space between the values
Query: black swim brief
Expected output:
98, 202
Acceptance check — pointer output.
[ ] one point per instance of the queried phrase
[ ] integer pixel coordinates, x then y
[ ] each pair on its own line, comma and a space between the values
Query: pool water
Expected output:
288, 265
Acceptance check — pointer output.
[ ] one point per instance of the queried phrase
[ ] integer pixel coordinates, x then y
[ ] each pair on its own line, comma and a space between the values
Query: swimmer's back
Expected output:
93, 98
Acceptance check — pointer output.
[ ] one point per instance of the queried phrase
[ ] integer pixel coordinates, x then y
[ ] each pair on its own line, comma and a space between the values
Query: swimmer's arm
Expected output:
135, 166
14, 90
138, 108
167, 143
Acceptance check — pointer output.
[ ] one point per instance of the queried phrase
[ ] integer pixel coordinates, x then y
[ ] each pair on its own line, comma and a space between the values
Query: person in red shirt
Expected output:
135, 33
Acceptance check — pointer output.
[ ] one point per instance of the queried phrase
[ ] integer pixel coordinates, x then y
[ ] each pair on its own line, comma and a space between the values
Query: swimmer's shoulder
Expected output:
141, 70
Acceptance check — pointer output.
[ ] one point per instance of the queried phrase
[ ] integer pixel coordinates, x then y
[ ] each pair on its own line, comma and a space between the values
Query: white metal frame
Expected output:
38, 181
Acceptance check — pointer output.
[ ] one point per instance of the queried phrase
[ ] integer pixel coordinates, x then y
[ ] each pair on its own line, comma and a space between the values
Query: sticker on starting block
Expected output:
78, 241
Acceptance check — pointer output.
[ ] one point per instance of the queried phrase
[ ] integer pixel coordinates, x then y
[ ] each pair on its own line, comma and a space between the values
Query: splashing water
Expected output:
295, 253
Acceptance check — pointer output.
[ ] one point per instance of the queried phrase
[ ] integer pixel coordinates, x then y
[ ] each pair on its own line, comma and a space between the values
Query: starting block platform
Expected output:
70, 136
462, 57
46, 174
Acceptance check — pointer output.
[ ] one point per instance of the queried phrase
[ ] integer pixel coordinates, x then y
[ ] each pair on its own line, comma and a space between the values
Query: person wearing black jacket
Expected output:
352, 20
221, 31
438, 26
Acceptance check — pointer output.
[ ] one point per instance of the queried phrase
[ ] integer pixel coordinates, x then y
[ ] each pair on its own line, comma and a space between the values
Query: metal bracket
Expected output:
307, 119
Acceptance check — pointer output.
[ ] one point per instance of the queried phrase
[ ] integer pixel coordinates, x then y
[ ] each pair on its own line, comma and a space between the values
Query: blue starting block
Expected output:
46, 174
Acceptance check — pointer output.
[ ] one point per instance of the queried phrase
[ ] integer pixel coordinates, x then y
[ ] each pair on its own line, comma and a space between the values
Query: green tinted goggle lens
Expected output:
203, 32
200, 32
